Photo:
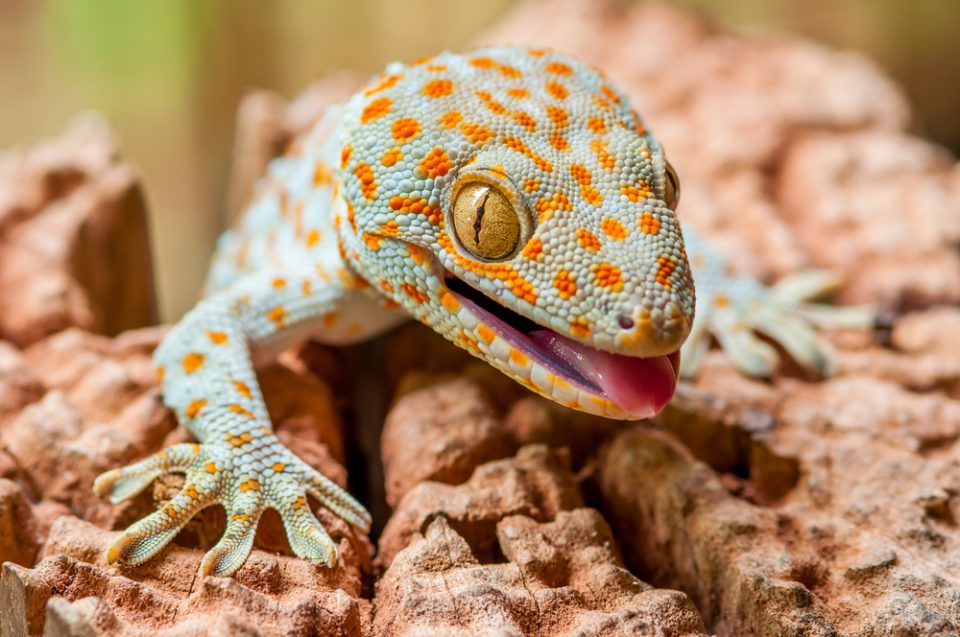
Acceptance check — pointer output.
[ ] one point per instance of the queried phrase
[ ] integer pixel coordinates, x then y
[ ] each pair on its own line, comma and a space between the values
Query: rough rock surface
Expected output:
748, 508
74, 245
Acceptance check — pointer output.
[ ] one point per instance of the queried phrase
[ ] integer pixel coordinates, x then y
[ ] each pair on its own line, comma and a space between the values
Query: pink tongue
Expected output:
641, 386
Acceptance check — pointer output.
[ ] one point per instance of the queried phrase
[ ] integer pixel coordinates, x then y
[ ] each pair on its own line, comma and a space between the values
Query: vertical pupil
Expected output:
478, 222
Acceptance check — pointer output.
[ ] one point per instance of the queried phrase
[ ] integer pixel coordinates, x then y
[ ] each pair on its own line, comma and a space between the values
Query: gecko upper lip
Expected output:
641, 387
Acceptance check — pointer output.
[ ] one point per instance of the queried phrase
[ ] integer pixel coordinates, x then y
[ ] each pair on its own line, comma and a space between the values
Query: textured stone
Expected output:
556, 578
440, 433
74, 244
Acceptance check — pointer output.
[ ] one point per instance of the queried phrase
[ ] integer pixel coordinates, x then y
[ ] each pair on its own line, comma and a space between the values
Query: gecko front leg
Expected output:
735, 309
209, 381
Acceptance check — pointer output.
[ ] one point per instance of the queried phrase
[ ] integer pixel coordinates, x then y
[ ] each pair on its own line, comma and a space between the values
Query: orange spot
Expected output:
493, 105
438, 88
405, 129
517, 144
368, 183
558, 68
536, 53
587, 240
161, 372
239, 516
376, 109
667, 266
559, 142
345, 153
605, 158
351, 216
547, 206
486, 334
608, 276
436, 67
415, 293
602, 102
450, 119
533, 249
525, 120
384, 84
277, 315
391, 157
475, 132
436, 163
518, 93
581, 174
613, 229
194, 408
590, 194
610, 93
307, 287
565, 285
192, 362
372, 241
217, 338
467, 342
279, 282
238, 409
313, 238
557, 90
417, 254
250, 485
450, 302
721, 300
635, 193
483, 63
299, 503
531, 185
390, 228
243, 389
519, 357
329, 319
210, 467
415, 206
597, 125
322, 175
580, 328
558, 116
279, 467
649, 224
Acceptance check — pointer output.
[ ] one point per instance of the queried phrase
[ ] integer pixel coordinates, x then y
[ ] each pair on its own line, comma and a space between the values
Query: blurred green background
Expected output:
169, 73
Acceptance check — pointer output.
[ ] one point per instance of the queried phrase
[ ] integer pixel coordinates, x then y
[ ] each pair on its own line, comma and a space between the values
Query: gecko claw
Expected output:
221, 474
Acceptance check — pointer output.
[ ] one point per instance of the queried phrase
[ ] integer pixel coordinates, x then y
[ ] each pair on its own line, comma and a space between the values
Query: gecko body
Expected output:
509, 199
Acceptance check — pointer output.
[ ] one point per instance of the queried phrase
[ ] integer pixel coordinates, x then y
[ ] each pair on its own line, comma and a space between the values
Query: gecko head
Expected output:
514, 202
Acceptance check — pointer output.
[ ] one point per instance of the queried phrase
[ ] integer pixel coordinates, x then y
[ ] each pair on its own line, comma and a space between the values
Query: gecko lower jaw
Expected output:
639, 387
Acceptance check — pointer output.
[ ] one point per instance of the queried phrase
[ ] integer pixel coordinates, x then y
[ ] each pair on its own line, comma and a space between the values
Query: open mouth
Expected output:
640, 387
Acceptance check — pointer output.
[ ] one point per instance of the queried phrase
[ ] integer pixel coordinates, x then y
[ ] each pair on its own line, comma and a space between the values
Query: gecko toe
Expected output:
308, 539
146, 537
121, 484
234, 546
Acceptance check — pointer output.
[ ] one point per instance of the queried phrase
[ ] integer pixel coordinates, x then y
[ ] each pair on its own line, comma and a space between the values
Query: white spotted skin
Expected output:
349, 233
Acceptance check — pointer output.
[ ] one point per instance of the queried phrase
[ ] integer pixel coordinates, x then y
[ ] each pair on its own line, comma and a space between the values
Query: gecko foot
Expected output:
246, 483
740, 310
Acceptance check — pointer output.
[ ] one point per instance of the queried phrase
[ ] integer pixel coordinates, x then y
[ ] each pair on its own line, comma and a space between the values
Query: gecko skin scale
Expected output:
511, 200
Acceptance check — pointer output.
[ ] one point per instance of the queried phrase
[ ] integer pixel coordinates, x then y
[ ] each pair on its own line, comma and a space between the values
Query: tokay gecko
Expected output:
511, 200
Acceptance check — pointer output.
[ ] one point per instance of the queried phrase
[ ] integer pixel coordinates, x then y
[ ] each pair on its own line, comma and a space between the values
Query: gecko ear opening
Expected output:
485, 222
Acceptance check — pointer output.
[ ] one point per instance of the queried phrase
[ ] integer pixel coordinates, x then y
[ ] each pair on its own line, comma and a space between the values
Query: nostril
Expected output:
626, 322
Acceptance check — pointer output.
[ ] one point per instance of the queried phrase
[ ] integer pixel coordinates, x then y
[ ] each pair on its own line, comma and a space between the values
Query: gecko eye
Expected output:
485, 222
671, 194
